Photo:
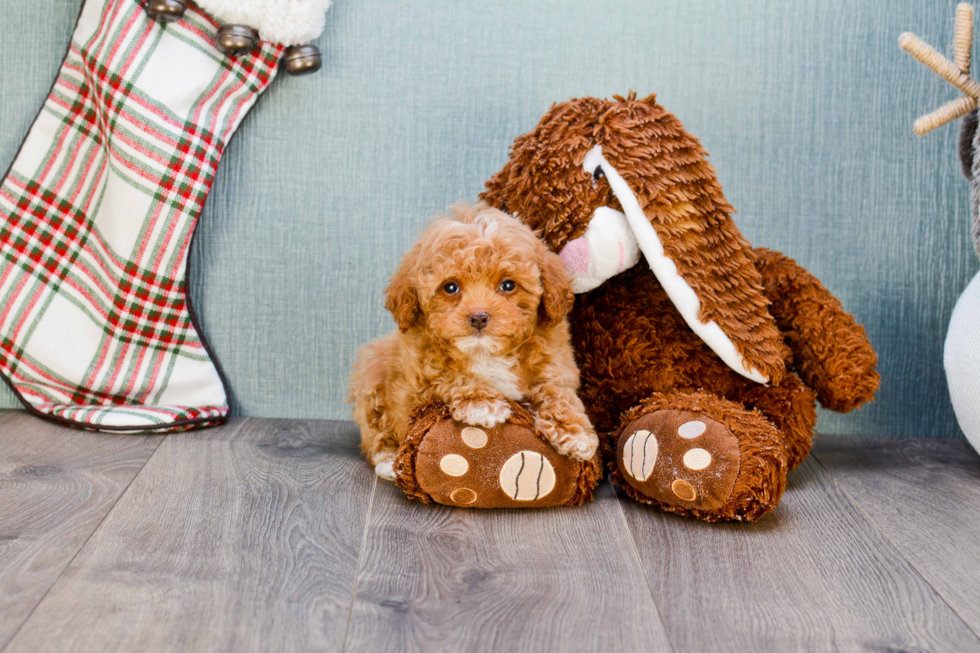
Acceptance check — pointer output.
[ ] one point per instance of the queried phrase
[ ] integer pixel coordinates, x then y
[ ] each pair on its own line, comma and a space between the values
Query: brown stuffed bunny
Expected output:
700, 365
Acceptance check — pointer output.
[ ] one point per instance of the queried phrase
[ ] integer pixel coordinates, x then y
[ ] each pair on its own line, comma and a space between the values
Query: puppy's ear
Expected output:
557, 297
401, 298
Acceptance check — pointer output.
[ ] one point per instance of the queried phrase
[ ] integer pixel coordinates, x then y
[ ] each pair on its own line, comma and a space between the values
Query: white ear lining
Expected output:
680, 293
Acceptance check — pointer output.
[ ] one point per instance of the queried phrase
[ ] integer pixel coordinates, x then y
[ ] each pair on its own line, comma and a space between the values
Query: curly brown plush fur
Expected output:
831, 350
633, 347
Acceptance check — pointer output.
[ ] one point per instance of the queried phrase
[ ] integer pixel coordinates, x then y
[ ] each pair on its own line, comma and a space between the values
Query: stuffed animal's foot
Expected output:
679, 457
509, 465
711, 459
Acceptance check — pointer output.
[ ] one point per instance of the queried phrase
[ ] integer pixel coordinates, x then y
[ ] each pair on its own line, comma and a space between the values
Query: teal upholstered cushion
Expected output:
806, 107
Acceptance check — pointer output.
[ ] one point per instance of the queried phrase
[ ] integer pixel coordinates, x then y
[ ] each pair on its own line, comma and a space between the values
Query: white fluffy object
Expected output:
289, 22
962, 361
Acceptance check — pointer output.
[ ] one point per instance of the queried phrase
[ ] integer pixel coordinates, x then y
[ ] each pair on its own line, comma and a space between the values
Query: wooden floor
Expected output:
268, 535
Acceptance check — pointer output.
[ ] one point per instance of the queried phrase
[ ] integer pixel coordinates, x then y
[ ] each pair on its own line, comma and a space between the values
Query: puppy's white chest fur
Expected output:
499, 372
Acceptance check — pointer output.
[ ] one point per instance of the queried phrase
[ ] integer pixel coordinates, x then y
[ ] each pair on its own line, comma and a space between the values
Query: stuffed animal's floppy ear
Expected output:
682, 223
401, 297
557, 297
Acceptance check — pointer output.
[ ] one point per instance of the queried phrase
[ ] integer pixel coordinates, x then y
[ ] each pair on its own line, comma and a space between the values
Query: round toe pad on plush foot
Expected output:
679, 457
507, 466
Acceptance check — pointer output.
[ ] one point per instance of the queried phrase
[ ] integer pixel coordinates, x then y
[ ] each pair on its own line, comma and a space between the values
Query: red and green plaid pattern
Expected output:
97, 215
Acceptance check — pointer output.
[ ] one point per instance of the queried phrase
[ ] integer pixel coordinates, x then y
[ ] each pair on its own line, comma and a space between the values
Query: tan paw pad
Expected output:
697, 459
473, 437
454, 464
463, 496
683, 490
692, 429
640, 454
527, 476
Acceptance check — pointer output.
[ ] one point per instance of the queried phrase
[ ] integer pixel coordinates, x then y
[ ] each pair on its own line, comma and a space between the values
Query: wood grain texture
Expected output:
441, 579
56, 486
240, 538
249, 537
924, 495
813, 575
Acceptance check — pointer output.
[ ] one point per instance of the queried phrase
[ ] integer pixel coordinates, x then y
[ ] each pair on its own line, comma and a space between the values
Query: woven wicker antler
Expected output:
956, 72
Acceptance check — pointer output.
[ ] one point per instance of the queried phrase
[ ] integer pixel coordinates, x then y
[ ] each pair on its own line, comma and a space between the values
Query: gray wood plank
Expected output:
924, 495
243, 538
441, 579
814, 575
56, 486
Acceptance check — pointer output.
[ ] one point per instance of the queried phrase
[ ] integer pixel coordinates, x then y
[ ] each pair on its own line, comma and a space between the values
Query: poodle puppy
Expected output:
480, 305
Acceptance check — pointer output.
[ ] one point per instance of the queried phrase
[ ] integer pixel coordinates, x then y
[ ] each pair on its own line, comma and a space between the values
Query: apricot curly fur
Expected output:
423, 418
521, 350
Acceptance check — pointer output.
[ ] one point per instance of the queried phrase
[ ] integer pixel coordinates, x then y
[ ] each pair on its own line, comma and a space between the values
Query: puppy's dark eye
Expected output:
508, 286
451, 288
598, 174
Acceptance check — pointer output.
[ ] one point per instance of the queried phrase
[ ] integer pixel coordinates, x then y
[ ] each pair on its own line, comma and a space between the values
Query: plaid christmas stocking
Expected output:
97, 214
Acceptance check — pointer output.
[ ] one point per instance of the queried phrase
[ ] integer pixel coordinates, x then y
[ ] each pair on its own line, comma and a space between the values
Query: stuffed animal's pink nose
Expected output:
575, 255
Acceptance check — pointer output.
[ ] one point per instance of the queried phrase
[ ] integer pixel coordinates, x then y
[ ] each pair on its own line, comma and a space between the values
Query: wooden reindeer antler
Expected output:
955, 72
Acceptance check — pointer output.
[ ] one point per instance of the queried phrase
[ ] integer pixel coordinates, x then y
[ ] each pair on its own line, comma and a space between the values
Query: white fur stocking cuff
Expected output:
289, 22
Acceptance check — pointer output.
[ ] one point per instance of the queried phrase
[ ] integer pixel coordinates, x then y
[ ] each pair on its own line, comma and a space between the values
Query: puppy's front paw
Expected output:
481, 412
583, 449
384, 465
571, 440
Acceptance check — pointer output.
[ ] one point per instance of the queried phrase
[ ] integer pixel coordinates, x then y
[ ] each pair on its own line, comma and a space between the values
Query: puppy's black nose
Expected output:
479, 320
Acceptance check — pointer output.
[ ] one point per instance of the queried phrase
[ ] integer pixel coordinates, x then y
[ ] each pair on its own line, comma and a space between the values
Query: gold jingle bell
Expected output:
165, 11
234, 40
303, 60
